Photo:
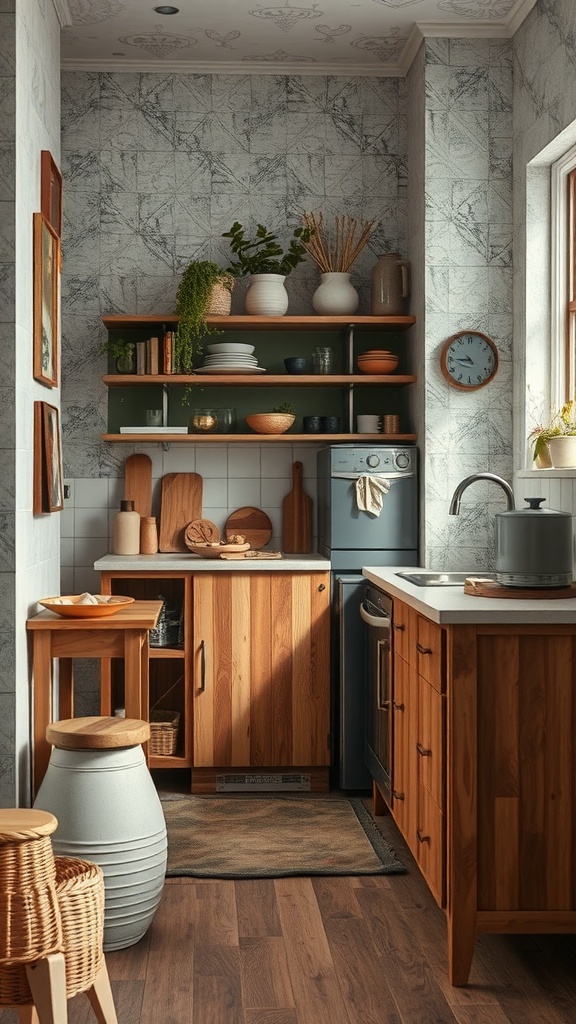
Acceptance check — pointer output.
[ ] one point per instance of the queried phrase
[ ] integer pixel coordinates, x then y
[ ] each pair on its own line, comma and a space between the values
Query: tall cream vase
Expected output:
266, 295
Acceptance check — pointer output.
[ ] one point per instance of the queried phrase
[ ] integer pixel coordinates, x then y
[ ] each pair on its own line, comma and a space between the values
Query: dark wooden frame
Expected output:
46, 298
48, 490
51, 191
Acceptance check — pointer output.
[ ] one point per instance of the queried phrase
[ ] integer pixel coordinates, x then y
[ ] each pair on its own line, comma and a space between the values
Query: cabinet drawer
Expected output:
430, 741
431, 844
404, 631
429, 652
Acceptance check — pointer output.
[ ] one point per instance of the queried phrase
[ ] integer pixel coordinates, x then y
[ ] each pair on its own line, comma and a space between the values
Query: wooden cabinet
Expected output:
261, 672
249, 672
484, 773
347, 380
418, 741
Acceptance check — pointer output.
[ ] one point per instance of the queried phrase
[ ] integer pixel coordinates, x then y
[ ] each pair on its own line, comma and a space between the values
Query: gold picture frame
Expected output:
46, 288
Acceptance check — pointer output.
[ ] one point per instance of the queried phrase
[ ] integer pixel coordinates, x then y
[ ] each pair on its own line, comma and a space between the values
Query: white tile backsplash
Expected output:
91, 522
91, 493
245, 491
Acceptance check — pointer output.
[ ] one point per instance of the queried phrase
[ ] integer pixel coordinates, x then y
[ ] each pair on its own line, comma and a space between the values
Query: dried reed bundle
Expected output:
336, 251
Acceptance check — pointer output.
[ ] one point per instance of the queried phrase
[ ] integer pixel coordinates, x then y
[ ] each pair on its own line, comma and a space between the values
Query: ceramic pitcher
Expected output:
390, 285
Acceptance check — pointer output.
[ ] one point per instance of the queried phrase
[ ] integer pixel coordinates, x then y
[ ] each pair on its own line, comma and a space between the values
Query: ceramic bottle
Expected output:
126, 530
148, 535
390, 285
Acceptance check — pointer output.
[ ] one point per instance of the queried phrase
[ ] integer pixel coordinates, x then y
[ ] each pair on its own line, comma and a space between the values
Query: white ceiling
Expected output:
359, 37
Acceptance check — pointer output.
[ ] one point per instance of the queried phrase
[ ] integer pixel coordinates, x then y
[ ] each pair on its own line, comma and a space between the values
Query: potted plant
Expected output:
204, 288
123, 353
555, 444
267, 264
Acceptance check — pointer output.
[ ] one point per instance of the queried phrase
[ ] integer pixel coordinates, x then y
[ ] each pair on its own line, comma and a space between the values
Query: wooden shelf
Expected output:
116, 322
241, 380
257, 438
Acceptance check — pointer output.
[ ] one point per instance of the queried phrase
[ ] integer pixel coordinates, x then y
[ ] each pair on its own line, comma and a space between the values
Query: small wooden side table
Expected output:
122, 635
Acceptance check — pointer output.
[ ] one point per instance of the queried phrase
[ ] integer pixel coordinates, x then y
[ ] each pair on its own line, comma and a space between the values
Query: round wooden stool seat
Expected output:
97, 733
17, 824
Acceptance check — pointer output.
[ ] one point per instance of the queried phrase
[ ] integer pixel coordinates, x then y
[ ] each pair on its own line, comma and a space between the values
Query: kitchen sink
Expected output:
428, 578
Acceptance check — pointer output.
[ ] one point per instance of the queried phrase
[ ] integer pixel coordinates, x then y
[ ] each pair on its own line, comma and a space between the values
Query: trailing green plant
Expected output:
562, 424
286, 407
262, 254
192, 301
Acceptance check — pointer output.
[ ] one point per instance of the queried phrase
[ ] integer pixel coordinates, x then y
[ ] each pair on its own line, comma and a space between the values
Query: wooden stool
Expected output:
51, 922
98, 785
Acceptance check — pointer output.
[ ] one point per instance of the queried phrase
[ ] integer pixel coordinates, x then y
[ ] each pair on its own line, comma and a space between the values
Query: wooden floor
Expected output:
332, 950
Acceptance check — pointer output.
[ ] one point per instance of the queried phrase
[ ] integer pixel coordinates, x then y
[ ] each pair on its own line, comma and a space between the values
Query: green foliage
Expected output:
562, 424
263, 254
286, 407
116, 347
192, 300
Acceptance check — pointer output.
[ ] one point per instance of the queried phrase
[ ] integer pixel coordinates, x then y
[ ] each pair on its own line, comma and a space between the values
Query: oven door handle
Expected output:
379, 621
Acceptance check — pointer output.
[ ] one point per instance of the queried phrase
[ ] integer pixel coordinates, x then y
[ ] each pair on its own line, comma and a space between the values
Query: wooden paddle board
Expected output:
250, 522
180, 503
138, 483
297, 517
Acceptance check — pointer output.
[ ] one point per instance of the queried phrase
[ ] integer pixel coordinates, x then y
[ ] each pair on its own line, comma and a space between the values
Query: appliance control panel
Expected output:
379, 459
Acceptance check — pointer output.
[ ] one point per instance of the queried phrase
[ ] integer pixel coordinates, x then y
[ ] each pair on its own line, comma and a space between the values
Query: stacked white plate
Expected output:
230, 357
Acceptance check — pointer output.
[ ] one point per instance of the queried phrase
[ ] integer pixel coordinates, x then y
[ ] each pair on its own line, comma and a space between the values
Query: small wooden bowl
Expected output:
270, 422
377, 364
215, 550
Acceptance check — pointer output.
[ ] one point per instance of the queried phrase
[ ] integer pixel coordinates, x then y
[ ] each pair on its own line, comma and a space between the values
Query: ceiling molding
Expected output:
189, 67
62, 12
456, 30
413, 44
522, 11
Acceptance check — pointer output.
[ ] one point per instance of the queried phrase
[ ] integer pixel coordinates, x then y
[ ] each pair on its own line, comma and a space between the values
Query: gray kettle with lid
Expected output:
534, 546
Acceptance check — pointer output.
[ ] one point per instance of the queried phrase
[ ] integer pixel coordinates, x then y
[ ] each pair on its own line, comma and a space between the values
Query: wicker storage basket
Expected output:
220, 299
163, 732
80, 891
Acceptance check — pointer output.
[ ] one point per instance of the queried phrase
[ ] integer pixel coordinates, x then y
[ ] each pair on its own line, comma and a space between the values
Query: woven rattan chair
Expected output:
51, 924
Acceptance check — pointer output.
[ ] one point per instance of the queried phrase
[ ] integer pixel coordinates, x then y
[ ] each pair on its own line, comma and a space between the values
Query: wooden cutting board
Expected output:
180, 503
138, 483
297, 517
253, 523
490, 588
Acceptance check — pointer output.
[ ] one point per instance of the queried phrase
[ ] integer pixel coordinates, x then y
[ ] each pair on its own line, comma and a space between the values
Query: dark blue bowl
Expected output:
295, 364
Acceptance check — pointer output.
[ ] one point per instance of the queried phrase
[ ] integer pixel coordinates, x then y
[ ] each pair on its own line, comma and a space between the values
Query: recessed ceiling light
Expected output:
166, 9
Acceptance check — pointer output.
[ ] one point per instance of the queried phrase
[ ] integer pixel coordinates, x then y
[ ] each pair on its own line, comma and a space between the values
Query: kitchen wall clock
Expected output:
469, 360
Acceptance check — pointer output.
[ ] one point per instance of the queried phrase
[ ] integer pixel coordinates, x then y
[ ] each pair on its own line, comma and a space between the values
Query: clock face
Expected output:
469, 360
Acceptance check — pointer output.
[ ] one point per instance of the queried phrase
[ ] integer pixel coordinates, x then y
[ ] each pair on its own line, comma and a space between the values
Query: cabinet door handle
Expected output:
398, 707
424, 650
322, 587
397, 795
399, 626
202, 665
423, 751
421, 837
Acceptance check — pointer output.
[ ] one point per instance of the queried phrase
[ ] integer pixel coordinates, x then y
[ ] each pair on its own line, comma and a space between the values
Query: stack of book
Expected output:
155, 356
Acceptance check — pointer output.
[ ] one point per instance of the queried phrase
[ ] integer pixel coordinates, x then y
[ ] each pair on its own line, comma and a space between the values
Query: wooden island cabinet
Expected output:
484, 759
248, 672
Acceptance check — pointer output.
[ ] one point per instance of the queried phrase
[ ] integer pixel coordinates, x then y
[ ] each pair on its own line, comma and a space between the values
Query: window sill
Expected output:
546, 474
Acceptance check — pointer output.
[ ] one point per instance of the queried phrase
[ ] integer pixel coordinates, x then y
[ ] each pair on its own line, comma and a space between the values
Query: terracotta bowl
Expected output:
377, 364
270, 422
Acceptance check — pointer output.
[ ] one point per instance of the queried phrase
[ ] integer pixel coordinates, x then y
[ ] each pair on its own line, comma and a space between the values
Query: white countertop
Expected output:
182, 562
451, 604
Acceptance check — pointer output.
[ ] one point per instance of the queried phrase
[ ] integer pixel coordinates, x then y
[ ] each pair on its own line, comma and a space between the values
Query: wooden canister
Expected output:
148, 535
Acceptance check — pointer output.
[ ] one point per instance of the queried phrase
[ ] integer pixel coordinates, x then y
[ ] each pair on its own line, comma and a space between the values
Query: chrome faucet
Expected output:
454, 509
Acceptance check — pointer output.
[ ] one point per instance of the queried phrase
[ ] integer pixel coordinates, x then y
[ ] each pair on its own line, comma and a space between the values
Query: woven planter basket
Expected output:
220, 300
29, 919
163, 732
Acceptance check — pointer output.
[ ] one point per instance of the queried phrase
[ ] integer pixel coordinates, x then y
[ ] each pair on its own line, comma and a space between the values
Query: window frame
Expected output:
563, 279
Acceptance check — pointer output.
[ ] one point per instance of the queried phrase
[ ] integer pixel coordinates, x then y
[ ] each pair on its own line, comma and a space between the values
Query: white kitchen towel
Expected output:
370, 491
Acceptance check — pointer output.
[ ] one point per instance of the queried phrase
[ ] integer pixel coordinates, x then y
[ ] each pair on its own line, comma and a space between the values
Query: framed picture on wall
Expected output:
51, 191
48, 491
46, 283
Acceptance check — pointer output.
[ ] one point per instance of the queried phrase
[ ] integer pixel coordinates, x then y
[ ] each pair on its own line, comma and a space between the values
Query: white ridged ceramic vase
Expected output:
266, 295
109, 812
335, 295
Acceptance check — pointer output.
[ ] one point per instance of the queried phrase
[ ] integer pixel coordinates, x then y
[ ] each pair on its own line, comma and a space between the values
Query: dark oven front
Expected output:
376, 612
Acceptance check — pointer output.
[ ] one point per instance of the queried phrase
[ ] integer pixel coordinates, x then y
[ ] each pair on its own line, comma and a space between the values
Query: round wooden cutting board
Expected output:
252, 523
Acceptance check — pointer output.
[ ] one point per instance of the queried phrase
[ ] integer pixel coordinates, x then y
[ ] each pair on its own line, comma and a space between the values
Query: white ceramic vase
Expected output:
562, 451
109, 812
266, 295
335, 295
